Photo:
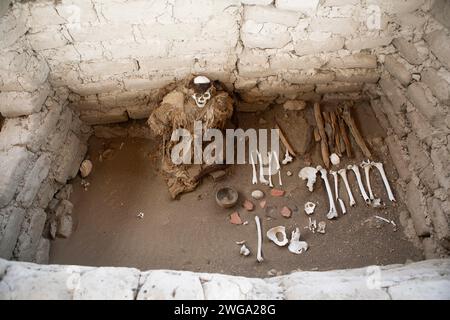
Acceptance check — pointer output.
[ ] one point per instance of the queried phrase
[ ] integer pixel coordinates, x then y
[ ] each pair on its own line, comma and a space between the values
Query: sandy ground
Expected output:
194, 234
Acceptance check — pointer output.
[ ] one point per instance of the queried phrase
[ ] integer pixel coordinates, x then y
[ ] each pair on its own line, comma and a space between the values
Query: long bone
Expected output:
366, 166
355, 169
270, 155
278, 167
332, 213
259, 256
262, 179
380, 168
254, 175
343, 174
336, 192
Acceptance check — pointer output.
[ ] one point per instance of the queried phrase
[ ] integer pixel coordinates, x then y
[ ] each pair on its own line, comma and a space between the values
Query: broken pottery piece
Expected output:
309, 208
262, 204
286, 212
272, 235
86, 168
248, 205
276, 193
235, 218
296, 246
321, 227
257, 194
244, 250
308, 173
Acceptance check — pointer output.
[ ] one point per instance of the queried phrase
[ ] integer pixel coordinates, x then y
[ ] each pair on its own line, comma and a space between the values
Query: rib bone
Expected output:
366, 166
259, 256
332, 213
360, 184
254, 176
343, 174
380, 168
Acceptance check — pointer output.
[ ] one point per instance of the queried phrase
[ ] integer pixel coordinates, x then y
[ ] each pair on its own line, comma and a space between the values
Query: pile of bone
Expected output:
309, 174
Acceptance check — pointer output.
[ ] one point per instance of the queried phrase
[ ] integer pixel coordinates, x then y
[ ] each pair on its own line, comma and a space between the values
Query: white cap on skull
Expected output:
201, 80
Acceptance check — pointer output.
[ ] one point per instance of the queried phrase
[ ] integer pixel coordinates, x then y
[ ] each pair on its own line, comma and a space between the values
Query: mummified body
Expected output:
195, 99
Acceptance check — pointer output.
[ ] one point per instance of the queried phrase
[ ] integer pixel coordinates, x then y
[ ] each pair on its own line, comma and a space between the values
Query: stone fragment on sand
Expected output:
262, 204
257, 194
248, 205
286, 212
277, 193
235, 218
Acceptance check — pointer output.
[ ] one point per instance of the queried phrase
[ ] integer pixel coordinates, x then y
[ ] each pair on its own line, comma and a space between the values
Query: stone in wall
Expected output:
439, 44
11, 219
18, 103
13, 164
439, 83
30, 234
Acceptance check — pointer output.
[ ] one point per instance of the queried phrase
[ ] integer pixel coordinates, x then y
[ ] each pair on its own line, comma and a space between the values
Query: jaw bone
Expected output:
308, 173
272, 235
296, 246
380, 168
332, 213
360, 184
336, 191
343, 174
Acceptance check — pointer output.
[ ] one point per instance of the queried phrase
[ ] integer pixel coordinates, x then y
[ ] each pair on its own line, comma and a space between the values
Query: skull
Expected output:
202, 88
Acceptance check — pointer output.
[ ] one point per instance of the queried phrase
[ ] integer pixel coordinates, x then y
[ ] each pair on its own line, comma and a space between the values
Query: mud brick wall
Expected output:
42, 141
414, 108
115, 56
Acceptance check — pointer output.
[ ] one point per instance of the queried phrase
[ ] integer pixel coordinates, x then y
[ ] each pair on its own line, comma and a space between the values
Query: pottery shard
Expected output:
235, 218
248, 205
277, 193
286, 212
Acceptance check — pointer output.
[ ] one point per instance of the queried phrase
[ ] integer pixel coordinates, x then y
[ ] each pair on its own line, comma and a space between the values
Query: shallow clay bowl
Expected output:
226, 197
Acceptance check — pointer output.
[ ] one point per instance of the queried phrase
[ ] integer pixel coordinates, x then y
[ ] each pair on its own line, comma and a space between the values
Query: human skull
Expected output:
202, 88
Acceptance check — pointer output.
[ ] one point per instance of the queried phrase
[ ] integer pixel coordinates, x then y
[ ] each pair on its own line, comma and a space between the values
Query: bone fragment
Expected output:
332, 213
380, 168
343, 174
270, 169
287, 158
259, 256
254, 175
360, 184
272, 235
244, 250
296, 246
308, 173
262, 179
366, 166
